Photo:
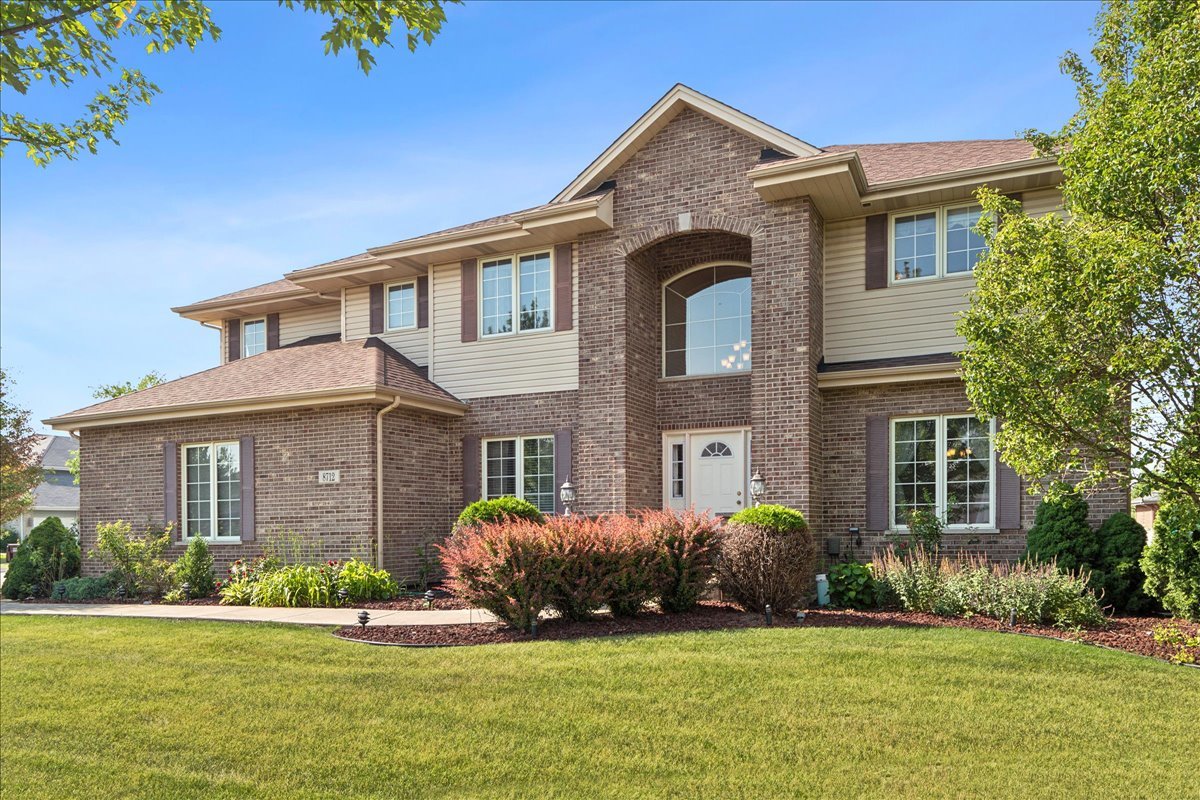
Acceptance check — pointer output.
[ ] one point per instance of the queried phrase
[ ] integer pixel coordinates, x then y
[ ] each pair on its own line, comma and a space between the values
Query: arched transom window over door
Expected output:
706, 321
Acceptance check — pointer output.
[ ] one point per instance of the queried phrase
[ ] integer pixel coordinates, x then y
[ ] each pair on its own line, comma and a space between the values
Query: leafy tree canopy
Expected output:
1083, 331
20, 469
59, 42
111, 391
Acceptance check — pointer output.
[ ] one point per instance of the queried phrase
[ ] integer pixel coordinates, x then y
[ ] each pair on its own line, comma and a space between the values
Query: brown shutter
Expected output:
1008, 495
471, 482
423, 301
470, 301
376, 308
562, 464
246, 460
233, 339
563, 312
877, 251
272, 331
878, 472
170, 483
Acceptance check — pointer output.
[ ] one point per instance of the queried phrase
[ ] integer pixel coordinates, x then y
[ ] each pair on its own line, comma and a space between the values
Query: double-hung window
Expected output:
522, 466
935, 243
517, 294
212, 490
402, 306
943, 464
254, 337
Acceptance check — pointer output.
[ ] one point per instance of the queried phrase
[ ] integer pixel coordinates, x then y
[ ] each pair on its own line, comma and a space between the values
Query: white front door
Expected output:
718, 472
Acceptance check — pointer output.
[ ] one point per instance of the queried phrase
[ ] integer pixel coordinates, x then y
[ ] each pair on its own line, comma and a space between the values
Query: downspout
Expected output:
379, 480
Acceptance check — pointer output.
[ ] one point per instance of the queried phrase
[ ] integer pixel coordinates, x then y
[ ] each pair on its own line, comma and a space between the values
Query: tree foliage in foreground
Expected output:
1083, 334
60, 42
20, 466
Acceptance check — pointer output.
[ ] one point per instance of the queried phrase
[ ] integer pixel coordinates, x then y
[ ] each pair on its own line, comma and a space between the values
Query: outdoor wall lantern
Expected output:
758, 487
566, 493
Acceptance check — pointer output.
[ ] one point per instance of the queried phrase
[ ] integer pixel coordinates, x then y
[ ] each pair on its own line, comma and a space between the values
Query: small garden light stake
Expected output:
429, 598
342, 595
363, 618
770, 614
1012, 618
187, 590
533, 629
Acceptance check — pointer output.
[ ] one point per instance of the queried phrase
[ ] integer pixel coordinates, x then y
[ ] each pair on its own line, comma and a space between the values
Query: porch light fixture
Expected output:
566, 493
758, 487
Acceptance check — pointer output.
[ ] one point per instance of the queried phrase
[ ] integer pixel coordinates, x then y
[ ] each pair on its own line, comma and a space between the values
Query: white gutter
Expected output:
379, 481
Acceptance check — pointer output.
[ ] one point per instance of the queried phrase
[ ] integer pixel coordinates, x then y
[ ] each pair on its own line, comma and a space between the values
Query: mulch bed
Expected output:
1129, 634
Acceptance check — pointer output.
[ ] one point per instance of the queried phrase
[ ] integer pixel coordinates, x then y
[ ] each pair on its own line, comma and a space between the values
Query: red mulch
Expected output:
1130, 634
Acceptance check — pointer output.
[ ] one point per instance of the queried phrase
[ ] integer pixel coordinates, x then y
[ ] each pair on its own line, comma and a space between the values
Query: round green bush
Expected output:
1172, 561
1061, 534
1122, 540
778, 518
498, 510
50, 553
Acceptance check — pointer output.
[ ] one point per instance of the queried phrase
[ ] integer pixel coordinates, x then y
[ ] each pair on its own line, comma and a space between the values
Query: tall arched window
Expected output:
706, 321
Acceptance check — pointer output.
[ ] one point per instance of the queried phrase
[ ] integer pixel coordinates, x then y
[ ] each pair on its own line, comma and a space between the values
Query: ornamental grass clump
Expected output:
767, 558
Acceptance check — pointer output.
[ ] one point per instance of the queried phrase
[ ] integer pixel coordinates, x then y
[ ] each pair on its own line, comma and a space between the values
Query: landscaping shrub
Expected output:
8, 537
686, 547
1119, 573
1061, 535
767, 558
508, 568
851, 585
1172, 561
137, 559
498, 509
633, 572
925, 529
195, 568
585, 558
48, 554
75, 590
238, 589
964, 587
364, 582
296, 586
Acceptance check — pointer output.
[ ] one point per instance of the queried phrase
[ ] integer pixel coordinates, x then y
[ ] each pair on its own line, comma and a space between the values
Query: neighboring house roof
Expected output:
905, 160
55, 496
313, 371
58, 450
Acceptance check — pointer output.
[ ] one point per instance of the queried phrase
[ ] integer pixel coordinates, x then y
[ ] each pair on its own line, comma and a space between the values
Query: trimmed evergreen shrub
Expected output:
48, 554
1119, 576
498, 509
1061, 534
78, 589
767, 558
1172, 561
195, 568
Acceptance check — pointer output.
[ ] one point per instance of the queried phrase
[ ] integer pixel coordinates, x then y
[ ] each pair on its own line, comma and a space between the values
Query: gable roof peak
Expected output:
678, 98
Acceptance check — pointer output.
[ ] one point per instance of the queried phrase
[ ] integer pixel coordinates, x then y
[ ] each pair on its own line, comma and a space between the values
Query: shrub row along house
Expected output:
710, 297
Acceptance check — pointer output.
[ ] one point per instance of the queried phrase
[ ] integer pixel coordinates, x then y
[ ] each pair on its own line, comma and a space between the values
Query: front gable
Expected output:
677, 101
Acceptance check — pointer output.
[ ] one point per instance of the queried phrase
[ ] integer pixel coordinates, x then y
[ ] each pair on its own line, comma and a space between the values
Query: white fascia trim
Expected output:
674, 101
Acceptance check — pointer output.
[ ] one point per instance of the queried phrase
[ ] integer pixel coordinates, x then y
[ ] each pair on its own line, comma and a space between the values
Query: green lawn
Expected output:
140, 708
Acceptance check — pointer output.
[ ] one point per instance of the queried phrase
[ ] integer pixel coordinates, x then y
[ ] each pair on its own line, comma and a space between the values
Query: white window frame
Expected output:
515, 258
940, 232
940, 480
246, 341
212, 478
520, 465
387, 301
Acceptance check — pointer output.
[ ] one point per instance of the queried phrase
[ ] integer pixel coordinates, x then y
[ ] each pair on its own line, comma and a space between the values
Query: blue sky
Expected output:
264, 155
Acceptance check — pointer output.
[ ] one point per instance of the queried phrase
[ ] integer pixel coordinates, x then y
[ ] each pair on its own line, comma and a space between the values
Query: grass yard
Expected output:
146, 708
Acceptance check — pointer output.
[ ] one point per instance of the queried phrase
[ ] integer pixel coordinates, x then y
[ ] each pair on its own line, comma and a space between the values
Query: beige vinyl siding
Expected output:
903, 320
412, 343
306, 322
503, 365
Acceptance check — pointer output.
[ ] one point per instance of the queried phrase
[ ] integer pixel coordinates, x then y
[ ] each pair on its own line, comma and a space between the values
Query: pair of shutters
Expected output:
233, 336
171, 493
876, 276
879, 468
472, 467
378, 305
563, 293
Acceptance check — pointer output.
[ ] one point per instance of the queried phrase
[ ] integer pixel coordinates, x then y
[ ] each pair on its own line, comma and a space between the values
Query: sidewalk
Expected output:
291, 616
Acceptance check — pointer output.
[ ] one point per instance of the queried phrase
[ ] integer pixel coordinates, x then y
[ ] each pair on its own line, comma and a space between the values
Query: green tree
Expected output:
1081, 334
20, 469
111, 391
60, 42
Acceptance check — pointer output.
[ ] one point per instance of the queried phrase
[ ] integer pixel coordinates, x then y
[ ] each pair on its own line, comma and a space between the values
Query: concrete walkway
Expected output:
291, 616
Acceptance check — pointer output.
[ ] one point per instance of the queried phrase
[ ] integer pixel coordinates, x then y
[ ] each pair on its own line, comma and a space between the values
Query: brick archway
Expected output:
685, 223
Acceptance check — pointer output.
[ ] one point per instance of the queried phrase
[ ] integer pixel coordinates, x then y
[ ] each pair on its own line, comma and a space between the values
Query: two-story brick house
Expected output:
709, 297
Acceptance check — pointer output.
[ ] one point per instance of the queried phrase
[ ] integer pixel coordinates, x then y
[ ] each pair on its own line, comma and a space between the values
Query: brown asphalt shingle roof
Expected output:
903, 160
310, 366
